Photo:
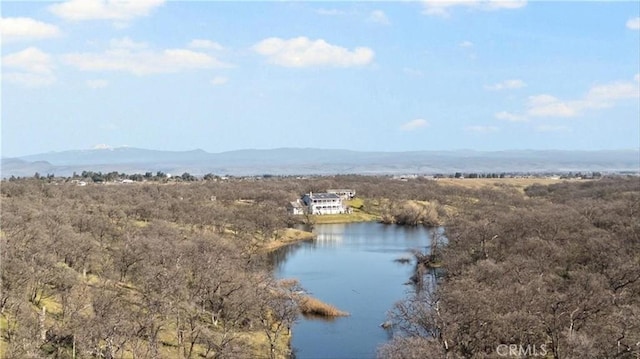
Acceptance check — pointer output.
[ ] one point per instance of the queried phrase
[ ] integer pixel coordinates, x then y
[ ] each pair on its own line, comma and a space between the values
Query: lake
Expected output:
352, 267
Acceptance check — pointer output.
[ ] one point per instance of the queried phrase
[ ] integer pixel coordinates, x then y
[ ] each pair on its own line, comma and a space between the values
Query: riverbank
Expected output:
355, 217
289, 236
351, 268
375, 209
292, 235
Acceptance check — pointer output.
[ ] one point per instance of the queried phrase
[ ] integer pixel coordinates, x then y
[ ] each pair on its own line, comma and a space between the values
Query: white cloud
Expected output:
30, 67
510, 117
482, 129
598, 97
30, 59
506, 85
127, 43
414, 125
613, 91
466, 44
303, 52
219, 80
205, 44
129, 56
188, 58
378, 16
29, 79
504, 4
634, 23
97, 84
24, 28
442, 8
637, 77
119, 10
549, 106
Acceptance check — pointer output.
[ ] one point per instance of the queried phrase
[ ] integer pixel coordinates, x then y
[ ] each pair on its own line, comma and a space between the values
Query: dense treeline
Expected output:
554, 273
136, 271
155, 269
151, 270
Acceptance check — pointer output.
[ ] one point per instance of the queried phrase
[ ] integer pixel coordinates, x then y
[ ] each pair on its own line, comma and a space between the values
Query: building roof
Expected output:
324, 196
296, 204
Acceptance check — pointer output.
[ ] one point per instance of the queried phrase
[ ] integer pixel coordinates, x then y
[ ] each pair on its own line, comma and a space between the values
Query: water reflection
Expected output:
278, 257
320, 317
353, 267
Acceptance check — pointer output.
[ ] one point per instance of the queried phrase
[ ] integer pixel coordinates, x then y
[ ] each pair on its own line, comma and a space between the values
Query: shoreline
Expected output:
291, 236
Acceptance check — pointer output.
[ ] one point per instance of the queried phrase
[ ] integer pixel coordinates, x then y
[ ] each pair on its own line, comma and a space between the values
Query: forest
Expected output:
177, 270
553, 273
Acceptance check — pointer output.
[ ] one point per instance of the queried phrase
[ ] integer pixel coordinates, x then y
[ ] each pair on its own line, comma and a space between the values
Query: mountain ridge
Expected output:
290, 160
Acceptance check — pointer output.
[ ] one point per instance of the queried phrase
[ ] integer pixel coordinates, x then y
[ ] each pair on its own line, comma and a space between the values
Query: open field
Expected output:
476, 183
356, 216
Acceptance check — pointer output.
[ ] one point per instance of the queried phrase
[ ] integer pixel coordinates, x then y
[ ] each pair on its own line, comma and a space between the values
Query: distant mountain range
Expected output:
311, 161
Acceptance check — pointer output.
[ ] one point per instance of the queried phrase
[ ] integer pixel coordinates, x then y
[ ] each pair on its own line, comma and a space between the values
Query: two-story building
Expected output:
323, 203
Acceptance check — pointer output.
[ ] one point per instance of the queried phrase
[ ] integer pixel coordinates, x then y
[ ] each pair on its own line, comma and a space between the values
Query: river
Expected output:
352, 267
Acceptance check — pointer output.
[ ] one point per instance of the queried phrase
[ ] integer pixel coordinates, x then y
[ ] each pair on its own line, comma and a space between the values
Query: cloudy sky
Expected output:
384, 76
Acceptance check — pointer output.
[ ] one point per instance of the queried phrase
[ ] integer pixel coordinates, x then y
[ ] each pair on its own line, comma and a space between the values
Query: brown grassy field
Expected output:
289, 236
476, 183
356, 216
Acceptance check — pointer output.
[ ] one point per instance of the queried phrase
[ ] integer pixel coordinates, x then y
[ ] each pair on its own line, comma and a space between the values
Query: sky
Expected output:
368, 76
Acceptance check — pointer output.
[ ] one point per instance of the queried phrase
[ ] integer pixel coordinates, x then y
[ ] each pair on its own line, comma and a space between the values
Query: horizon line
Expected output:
106, 148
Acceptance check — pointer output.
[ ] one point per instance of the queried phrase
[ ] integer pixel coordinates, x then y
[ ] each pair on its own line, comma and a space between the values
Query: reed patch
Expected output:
315, 307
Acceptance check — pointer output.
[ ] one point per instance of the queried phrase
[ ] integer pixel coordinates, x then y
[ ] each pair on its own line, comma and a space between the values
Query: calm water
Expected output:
352, 267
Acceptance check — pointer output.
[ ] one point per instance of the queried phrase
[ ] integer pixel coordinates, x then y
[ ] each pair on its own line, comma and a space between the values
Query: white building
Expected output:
323, 203
296, 207
343, 193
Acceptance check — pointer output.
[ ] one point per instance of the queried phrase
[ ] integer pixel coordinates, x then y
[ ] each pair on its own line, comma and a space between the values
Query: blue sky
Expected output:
371, 76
